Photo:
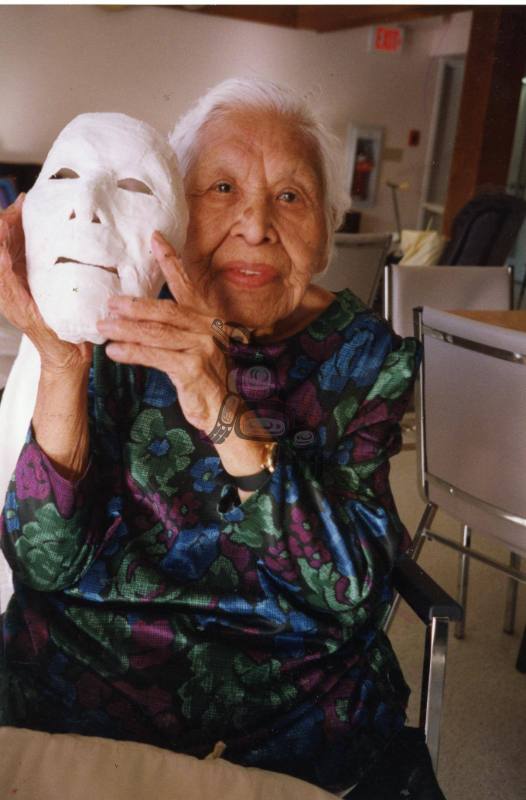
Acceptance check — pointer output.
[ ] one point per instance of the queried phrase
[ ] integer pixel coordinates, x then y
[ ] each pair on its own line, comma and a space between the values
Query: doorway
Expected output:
443, 130
516, 185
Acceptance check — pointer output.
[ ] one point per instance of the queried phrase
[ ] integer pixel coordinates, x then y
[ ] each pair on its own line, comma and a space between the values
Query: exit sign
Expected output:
387, 39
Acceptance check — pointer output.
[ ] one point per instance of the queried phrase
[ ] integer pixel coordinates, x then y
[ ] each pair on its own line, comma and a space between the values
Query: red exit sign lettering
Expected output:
387, 39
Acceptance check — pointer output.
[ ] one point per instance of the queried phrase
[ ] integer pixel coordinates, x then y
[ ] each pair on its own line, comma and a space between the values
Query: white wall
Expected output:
151, 63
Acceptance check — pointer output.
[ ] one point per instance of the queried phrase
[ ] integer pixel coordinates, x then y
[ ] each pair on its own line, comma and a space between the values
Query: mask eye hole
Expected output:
134, 185
62, 173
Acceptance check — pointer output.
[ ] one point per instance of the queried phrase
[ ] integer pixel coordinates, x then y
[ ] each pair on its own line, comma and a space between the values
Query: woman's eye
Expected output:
288, 196
64, 172
223, 187
134, 185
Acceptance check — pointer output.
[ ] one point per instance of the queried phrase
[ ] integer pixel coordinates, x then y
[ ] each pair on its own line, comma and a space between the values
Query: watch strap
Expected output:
251, 483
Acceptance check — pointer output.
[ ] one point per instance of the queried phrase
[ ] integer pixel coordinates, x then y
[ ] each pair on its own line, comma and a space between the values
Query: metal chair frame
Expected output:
388, 302
436, 609
424, 531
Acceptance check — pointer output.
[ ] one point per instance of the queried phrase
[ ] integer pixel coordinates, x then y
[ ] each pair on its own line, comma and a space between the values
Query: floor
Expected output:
483, 742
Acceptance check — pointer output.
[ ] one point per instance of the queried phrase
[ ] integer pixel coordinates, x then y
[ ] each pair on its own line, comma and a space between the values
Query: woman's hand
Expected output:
174, 337
19, 308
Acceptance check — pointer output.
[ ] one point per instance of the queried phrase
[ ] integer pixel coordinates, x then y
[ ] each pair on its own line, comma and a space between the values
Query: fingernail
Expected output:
113, 350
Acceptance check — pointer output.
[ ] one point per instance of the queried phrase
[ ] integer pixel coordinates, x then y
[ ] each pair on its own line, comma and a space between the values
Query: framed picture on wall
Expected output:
365, 153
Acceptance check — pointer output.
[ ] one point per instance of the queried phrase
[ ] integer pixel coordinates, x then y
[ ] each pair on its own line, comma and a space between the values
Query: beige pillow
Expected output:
44, 766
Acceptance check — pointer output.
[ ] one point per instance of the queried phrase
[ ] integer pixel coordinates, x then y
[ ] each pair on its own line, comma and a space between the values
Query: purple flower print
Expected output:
303, 406
279, 561
31, 477
153, 642
306, 545
183, 510
320, 350
148, 636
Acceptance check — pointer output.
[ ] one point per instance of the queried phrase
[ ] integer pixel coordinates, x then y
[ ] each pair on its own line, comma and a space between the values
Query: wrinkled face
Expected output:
257, 230
108, 182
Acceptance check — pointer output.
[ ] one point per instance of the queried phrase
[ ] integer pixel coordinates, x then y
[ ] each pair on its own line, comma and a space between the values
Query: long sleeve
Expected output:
53, 528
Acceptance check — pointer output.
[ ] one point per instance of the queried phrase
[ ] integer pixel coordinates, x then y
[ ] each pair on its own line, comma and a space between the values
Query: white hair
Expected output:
264, 95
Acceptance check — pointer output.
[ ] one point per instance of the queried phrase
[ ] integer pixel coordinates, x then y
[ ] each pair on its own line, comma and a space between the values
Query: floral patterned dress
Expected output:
149, 606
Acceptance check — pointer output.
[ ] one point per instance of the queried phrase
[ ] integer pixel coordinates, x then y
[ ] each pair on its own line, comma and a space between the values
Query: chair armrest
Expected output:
427, 599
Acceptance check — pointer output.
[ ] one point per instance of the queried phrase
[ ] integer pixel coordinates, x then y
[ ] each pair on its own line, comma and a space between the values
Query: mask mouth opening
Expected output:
65, 260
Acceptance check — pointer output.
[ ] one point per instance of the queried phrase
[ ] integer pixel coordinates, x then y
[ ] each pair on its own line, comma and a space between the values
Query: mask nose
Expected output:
88, 204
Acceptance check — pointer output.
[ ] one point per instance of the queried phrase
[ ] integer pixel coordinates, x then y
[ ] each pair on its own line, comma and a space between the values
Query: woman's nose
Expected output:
256, 222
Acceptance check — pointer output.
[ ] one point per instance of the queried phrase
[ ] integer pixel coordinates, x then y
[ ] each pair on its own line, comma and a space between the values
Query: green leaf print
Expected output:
100, 642
396, 373
257, 525
344, 413
226, 689
52, 550
156, 454
323, 581
337, 316
225, 572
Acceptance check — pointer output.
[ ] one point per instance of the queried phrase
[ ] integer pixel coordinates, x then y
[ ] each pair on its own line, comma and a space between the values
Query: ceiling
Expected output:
324, 18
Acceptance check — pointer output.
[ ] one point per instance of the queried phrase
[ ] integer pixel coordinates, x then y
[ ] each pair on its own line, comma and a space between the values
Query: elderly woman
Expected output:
200, 524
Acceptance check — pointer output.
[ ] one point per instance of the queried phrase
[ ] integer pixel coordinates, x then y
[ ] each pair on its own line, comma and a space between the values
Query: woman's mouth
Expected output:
249, 275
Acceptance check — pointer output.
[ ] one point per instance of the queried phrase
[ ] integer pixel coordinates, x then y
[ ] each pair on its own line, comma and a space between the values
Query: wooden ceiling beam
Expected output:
332, 18
285, 16
324, 18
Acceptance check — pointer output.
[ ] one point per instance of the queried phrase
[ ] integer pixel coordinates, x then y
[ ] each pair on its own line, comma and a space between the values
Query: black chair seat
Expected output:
404, 771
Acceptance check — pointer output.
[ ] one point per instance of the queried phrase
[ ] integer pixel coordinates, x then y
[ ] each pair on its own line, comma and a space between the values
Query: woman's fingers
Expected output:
166, 311
172, 267
182, 367
15, 300
144, 308
12, 233
153, 333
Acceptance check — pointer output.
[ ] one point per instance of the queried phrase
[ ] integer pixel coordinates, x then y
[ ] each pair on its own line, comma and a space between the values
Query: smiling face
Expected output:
108, 182
257, 230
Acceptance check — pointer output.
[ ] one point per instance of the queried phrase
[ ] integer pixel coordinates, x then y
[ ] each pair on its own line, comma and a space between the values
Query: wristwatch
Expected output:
250, 483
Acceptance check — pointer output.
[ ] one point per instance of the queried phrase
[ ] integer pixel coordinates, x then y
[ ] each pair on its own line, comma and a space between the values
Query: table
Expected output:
515, 320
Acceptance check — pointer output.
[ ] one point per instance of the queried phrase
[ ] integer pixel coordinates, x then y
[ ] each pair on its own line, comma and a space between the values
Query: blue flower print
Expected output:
12, 522
344, 451
93, 582
358, 359
302, 368
160, 391
192, 553
205, 473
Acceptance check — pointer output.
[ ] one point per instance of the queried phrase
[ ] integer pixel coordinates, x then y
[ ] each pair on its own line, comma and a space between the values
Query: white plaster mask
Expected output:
107, 183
